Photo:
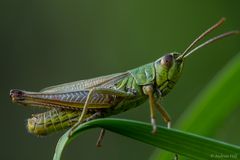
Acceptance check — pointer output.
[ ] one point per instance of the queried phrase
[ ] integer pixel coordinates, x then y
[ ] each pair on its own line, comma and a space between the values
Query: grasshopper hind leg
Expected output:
94, 116
100, 138
84, 111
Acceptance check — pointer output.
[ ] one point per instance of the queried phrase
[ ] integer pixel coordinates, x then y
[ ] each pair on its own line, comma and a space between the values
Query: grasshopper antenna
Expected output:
219, 23
221, 36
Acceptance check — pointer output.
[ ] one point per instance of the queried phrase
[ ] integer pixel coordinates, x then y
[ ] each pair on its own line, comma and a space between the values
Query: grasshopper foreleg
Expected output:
148, 90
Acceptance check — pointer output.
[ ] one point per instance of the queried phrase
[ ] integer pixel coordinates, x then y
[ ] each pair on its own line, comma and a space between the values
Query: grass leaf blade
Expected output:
189, 145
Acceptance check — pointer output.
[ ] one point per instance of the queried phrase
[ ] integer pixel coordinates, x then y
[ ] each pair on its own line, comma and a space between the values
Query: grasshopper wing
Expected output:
103, 81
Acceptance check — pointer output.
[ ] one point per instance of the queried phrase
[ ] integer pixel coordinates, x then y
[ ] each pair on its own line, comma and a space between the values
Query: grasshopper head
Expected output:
168, 70
169, 67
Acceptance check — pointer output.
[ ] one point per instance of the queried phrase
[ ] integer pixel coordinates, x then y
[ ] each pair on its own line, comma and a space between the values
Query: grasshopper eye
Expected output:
167, 61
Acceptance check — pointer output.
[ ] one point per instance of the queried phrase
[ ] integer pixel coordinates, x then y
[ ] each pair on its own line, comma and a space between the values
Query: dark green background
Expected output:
44, 43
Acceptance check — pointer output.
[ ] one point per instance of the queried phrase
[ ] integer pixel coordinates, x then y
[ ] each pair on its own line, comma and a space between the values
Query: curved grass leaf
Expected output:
189, 145
215, 103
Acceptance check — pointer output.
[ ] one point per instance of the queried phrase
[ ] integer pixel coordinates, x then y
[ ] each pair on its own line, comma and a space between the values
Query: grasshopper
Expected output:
71, 104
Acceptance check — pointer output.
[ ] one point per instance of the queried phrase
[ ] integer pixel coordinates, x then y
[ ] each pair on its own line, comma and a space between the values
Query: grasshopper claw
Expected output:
169, 124
154, 125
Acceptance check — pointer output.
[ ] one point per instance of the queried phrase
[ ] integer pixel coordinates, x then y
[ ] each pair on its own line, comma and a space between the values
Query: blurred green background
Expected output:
44, 43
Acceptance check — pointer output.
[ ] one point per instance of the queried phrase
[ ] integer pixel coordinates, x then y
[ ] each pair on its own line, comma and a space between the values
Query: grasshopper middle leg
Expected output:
100, 138
164, 114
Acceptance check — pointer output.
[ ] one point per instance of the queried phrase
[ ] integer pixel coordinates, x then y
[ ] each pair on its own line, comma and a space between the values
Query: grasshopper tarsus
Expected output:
73, 128
169, 124
98, 145
70, 133
154, 125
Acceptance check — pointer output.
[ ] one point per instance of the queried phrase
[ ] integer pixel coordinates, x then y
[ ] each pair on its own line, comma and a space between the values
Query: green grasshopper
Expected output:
72, 104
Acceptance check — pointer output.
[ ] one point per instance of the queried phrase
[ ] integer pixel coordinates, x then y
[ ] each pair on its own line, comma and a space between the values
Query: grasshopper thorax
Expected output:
168, 69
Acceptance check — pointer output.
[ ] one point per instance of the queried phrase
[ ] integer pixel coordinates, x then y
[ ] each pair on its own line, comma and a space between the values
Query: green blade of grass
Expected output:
215, 103
187, 144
